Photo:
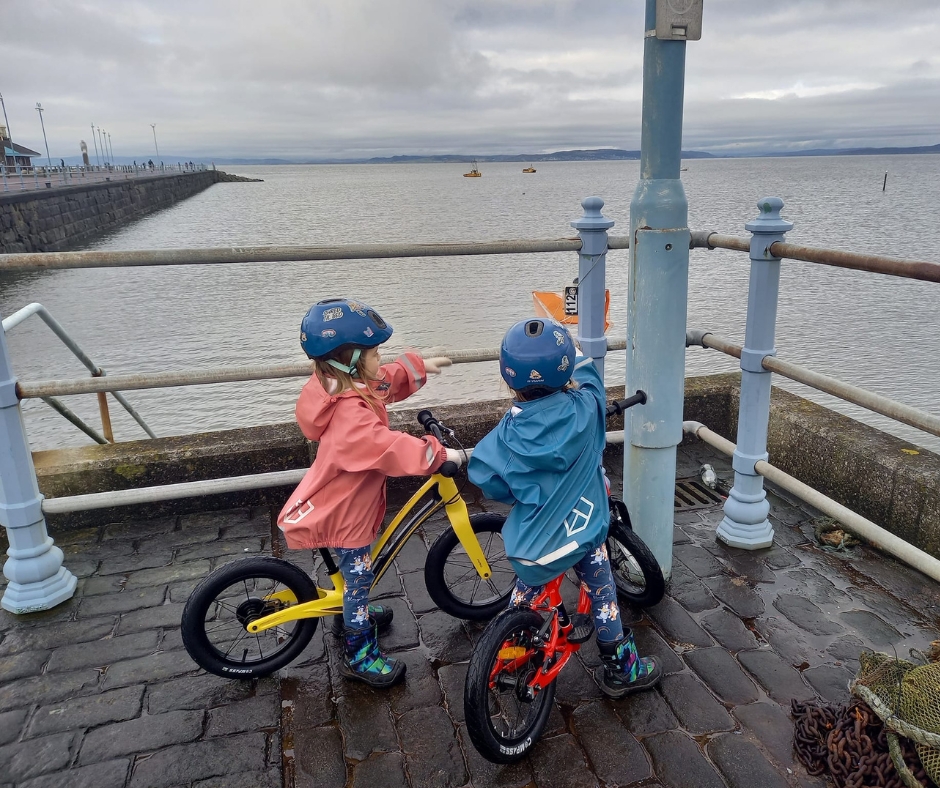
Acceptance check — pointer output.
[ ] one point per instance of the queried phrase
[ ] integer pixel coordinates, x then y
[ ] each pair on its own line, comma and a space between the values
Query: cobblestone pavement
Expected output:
99, 691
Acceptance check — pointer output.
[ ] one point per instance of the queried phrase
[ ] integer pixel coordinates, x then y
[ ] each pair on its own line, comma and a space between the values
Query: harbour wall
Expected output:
883, 478
68, 217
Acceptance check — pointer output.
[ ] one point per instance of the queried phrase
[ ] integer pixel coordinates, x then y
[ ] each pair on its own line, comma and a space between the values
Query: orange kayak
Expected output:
550, 304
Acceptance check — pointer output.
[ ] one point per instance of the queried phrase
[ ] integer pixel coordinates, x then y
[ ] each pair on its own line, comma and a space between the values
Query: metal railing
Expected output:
35, 178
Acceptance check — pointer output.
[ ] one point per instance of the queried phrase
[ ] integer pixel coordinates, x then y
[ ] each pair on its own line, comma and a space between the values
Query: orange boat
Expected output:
550, 304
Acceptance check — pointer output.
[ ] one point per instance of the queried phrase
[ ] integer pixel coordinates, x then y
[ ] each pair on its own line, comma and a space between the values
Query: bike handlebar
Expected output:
433, 427
619, 406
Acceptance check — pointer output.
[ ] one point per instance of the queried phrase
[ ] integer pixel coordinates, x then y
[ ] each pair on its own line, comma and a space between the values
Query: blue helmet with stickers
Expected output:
337, 324
537, 354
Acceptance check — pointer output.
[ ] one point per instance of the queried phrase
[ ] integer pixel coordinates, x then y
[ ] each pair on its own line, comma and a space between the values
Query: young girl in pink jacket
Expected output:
340, 503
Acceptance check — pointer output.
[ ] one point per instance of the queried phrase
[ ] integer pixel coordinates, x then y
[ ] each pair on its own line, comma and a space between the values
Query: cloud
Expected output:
309, 79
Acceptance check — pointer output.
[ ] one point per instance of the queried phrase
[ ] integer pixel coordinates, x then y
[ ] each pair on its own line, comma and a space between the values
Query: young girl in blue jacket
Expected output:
544, 458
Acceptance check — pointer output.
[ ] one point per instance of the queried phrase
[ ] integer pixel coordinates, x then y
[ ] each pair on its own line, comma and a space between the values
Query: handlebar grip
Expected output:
424, 416
448, 468
619, 406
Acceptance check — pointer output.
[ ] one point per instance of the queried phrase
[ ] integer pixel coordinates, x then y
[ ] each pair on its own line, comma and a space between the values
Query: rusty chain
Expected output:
848, 744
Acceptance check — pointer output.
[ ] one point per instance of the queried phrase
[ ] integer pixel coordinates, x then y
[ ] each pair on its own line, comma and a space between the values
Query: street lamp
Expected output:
104, 152
40, 110
97, 157
110, 147
3, 154
154, 127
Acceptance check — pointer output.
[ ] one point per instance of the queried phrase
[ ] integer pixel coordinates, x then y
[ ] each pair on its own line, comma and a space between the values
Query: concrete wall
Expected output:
69, 217
865, 469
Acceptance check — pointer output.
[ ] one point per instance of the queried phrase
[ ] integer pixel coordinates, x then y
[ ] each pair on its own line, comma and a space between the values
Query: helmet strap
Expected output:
351, 369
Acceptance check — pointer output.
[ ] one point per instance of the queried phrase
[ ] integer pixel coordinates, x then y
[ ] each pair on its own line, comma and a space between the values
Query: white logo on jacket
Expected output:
579, 519
304, 508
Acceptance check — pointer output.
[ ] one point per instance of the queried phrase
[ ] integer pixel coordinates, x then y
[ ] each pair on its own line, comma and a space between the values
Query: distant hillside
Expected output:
597, 154
858, 151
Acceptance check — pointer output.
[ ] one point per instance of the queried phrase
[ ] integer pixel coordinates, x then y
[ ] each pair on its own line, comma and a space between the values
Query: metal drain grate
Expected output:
692, 494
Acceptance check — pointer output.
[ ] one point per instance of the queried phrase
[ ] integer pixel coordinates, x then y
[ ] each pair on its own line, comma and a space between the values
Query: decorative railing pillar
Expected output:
592, 280
745, 523
38, 581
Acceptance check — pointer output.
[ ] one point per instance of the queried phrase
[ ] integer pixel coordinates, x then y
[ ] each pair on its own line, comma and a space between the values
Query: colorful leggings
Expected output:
355, 564
594, 573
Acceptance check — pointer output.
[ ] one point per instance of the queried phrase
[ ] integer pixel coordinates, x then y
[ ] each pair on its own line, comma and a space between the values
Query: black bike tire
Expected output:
436, 562
492, 746
193, 625
655, 584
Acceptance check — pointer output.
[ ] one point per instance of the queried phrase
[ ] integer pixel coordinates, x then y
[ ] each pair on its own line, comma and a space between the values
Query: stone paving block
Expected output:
138, 529
728, 629
365, 718
114, 603
25, 638
811, 583
846, 649
645, 713
144, 734
417, 593
130, 563
650, 644
152, 668
698, 560
444, 637
403, 633
230, 548
191, 570
772, 727
697, 711
678, 762
268, 778
87, 712
432, 752
413, 555
159, 617
202, 692
11, 725
307, 692
717, 668
751, 565
894, 611
452, 678
689, 592
47, 688
780, 558
318, 758
420, 688
677, 625
830, 681
575, 684
263, 711
212, 520
180, 592
386, 769
256, 527
616, 757
111, 774
102, 652
780, 680
792, 643
22, 664
806, 615
389, 585
558, 762
736, 594
491, 775
871, 627
742, 763
185, 763
34, 757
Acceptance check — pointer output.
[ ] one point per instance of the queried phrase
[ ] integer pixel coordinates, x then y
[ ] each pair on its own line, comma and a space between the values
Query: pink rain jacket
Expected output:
341, 500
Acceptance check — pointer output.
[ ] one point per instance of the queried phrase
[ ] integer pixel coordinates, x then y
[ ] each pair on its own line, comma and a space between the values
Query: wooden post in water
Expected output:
885, 184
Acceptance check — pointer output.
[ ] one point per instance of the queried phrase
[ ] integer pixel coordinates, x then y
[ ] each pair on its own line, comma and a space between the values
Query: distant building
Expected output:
15, 155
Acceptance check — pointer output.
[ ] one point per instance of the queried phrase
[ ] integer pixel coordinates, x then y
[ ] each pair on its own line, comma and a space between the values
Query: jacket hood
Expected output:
319, 406
541, 426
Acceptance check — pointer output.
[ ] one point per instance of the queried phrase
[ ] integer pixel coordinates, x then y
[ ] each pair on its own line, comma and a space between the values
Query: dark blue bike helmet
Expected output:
337, 324
537, 354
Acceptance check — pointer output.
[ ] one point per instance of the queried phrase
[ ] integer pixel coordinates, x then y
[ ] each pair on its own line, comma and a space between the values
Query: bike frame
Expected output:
556, 644
389, 544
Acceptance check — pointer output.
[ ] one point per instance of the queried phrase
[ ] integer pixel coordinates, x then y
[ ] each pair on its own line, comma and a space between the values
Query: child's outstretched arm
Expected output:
409, 372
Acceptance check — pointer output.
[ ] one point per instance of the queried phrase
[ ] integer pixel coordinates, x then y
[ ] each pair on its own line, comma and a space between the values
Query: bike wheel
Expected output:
636, 571
224, 603
503, 719
452, 579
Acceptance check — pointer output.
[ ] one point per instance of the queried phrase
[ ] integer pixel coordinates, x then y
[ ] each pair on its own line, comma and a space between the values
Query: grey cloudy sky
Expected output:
351, 78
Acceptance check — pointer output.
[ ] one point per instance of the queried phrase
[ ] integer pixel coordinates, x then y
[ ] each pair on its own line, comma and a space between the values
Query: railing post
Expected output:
592, 280
38, 581
745, 523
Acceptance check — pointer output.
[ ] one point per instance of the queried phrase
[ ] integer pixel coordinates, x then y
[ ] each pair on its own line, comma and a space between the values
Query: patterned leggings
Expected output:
594, 573
355, 564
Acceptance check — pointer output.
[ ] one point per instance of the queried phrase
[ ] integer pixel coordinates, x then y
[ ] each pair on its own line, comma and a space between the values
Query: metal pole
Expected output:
659, 284
154, 127
104, 150
592, 277
6, 123
40, 110
97, 157
745, 523
38, 581
110, 147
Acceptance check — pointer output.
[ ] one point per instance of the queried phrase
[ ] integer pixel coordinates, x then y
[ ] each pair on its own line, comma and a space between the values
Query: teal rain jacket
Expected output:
544, 458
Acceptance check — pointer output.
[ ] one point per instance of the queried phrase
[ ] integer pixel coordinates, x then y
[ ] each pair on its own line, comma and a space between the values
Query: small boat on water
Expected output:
549, 304
530, 168
474, 171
